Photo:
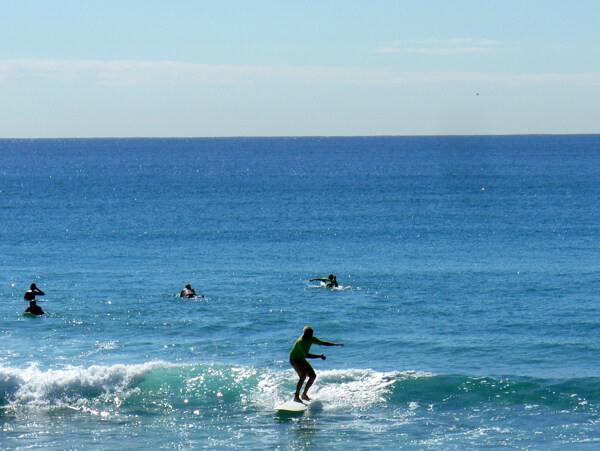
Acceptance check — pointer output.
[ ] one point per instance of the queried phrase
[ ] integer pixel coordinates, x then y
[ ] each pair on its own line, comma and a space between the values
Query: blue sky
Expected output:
295, 68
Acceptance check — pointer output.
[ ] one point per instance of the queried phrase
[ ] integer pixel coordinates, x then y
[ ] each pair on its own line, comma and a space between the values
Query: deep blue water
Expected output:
468, 309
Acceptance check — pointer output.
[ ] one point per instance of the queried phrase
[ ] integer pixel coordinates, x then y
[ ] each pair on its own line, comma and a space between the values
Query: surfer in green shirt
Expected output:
330, 282
298, 357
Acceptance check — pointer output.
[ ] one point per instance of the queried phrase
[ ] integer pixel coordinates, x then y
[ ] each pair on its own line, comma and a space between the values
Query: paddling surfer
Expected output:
330, 282
298, 361
189, 292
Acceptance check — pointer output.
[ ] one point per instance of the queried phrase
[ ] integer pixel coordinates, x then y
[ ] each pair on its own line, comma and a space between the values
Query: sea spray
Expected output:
36, 387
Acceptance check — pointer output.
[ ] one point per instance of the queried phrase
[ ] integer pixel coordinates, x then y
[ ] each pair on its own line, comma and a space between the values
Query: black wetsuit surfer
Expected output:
30, 296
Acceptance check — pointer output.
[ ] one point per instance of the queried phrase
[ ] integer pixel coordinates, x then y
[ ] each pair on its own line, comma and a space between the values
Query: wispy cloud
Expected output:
174, 72
448, 47
171, 73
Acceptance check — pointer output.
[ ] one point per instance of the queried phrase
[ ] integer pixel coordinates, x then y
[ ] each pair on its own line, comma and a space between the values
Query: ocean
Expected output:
468, 301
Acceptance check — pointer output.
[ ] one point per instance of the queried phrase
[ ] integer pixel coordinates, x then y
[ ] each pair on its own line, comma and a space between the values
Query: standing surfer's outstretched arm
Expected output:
328, 343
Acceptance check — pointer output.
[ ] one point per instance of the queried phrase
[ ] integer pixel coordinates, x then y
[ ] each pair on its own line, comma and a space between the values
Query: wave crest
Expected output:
155, 387
34, 386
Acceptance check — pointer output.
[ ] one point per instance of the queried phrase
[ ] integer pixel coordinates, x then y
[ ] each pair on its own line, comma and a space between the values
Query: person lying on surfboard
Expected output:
331, 281
34, 309
298, 361
189, 292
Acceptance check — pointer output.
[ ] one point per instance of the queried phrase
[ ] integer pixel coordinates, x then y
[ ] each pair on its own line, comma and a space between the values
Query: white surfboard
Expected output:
291, 406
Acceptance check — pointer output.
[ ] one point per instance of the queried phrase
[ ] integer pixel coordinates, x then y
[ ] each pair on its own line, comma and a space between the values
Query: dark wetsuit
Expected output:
187, 293
30, 296
34, 309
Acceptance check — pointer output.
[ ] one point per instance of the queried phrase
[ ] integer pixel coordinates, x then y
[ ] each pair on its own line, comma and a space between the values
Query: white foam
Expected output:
338, 288
35, 386
352, 388
336, 389
74, 387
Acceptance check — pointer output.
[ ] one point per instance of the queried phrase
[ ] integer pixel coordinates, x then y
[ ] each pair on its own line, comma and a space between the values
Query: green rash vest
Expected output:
301, 348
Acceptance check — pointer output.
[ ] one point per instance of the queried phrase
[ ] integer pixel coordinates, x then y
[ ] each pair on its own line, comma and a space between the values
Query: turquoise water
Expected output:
468, 307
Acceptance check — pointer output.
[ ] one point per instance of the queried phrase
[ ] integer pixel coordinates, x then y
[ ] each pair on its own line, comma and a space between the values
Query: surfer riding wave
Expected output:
298, 357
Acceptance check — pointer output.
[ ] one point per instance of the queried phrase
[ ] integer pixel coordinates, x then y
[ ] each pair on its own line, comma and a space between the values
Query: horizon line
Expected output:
449, 135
